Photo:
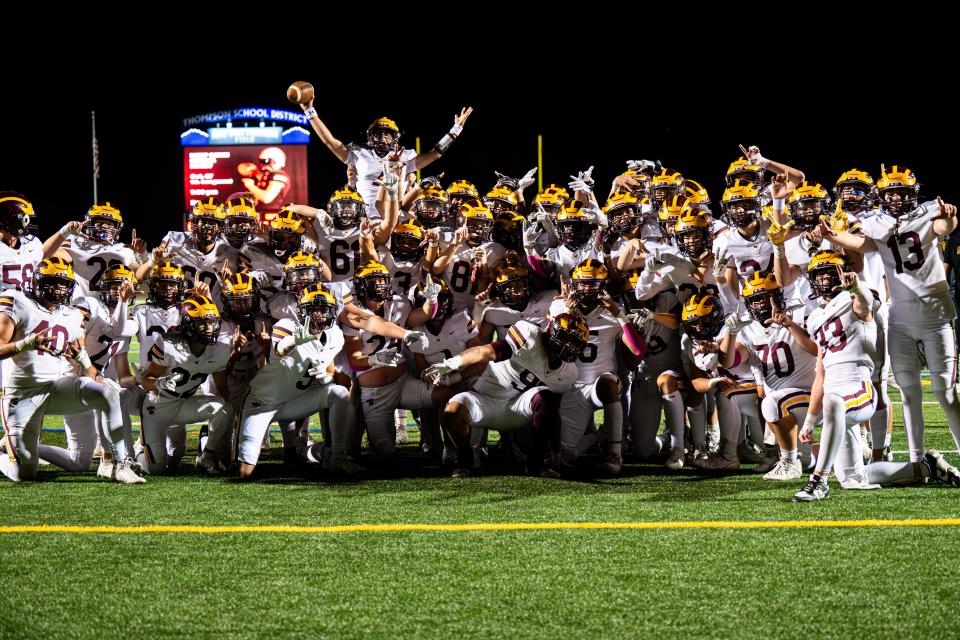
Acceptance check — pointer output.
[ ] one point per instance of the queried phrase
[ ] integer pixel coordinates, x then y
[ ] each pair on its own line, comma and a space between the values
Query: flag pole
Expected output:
96, 155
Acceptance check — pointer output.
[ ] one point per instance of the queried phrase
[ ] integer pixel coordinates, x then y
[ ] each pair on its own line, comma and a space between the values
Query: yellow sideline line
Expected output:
480, 526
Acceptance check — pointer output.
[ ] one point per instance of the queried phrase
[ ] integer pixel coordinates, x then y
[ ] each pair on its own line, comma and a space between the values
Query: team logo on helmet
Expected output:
702, 316
567, 336
199, 319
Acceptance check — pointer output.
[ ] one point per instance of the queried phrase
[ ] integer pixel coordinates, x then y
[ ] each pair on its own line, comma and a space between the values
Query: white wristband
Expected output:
454, 363
65, 231
778, 204
83, 360
310, 113
779, 251
24, 345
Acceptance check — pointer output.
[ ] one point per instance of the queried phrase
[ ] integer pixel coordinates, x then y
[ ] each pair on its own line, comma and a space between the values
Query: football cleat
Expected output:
940, 469
785, 470
815, 489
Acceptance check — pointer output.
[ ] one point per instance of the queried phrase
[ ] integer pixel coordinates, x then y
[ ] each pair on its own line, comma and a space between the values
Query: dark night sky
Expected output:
694, 126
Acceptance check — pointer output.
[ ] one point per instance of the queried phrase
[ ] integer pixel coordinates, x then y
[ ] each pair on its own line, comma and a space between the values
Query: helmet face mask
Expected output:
202, 330
382, 140
692, 242
52, 290
499, 207
855, 198
823, 281
479, 231
346, 213
405, 247
322, 315
700, 328
165, 293
206, 230
574, 233
110, 292
105, 230
444, 306
298, 279
373, 288
806, 213
898, 201
625, 220
760, 305
430, 212
742, 213
242, 308
507, 234
587, 292
515, 293
240, 229
283, 241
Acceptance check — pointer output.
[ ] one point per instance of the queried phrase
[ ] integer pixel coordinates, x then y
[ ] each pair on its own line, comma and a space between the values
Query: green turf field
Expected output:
889, 581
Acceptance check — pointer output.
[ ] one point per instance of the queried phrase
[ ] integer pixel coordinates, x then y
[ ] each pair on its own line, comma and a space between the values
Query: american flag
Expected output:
96, 149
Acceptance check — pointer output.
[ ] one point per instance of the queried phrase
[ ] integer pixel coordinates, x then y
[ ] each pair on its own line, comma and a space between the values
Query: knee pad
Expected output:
337, 393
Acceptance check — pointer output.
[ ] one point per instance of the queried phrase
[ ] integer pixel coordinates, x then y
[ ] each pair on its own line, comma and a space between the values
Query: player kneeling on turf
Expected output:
531, 369
180, 362
845, 332
37, 328
297, 382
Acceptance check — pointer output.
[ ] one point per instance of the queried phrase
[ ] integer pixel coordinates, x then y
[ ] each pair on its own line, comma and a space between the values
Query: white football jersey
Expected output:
527, 368
64, 324
848, 344
172, 351
679, 271
90, 259
341, 251
245, 364
103, 339
152, 322
182, 249
457, 273
600, 354
16, 265
503, 317
405, 275
708, 363
775, 356
369, 169
650, 229
747, 255
394, 310
283, 379
449, 340
663, 343
910, 252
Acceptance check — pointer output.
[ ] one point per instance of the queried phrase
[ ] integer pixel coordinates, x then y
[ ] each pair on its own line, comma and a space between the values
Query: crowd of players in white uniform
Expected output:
710, 334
